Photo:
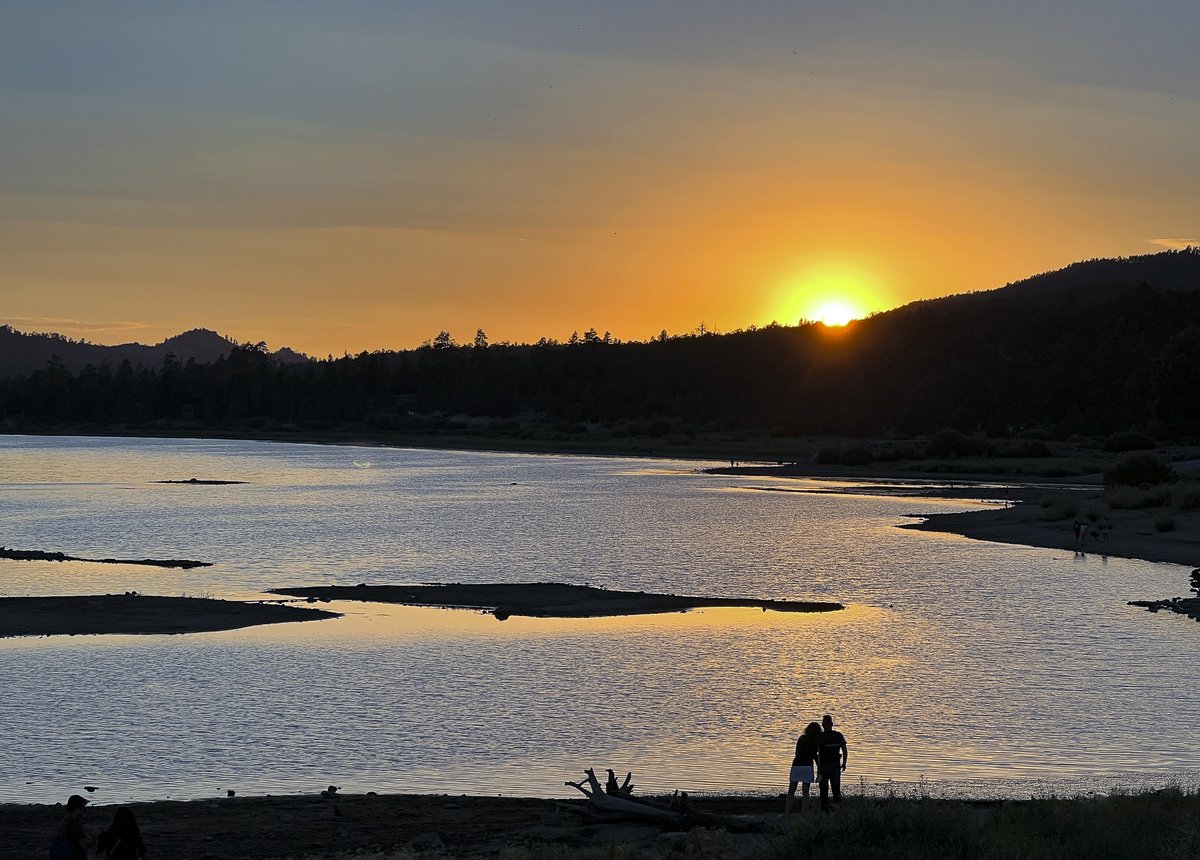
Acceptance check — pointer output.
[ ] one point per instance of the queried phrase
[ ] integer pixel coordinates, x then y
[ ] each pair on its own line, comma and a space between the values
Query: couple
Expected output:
822, 746
121, 841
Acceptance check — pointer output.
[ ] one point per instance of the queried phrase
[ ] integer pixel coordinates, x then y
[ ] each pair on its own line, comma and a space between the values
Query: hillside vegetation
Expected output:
1096, 348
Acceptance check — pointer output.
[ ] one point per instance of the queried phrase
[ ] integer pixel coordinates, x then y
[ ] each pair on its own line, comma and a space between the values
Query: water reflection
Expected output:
957, 659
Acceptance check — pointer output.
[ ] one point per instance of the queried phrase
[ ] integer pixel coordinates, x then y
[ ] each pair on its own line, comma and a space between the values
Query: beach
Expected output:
265, 828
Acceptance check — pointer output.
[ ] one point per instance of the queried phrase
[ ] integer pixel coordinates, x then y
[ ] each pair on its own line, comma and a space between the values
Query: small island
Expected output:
137, 613
543, 599
202, 482
42, 555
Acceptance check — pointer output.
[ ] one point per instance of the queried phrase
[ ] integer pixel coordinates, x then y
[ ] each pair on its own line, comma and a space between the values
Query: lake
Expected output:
969, 667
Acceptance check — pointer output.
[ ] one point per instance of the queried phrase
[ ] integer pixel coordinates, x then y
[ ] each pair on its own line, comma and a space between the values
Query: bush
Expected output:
1130, 440
1185, 495
1138, 498
829, 455
1058, 508
1136, 470
952, 443
858, 455
1164, 524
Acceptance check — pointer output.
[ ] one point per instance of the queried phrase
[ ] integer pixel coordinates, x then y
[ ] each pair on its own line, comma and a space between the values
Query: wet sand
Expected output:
135, 613
543, 599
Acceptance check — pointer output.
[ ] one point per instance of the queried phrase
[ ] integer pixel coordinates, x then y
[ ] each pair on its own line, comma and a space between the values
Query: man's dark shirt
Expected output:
831, 751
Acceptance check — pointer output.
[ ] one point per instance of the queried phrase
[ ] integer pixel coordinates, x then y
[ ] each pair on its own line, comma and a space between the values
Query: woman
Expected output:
803, 770
123, 840
70, 842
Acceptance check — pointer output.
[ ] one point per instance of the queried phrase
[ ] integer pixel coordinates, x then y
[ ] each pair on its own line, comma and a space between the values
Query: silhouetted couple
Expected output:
820, 752
121, 841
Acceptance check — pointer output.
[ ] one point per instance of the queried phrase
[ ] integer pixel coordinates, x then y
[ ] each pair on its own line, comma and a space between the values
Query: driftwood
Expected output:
676, 813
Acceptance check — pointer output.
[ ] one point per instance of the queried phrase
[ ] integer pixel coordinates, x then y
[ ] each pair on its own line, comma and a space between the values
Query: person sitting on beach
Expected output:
831, 762
122, 840
808, 745
70, 842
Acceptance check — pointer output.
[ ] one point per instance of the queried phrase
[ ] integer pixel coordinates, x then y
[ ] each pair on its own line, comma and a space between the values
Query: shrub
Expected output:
829, 455
858, 455
1164, 524
1185, 495
1138, 498
1130, 440
951, 443
1058, 508
1138, 469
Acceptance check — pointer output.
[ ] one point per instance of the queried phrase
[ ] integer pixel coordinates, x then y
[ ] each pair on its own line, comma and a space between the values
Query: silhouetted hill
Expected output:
23, 353
1094, 348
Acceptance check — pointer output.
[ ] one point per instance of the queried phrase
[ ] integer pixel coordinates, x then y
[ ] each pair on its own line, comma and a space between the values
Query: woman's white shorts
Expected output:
801, 773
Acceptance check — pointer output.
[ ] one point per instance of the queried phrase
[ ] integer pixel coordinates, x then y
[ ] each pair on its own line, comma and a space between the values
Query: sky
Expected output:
358, 175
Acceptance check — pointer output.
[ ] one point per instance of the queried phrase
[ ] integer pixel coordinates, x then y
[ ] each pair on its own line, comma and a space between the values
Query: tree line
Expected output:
986, 361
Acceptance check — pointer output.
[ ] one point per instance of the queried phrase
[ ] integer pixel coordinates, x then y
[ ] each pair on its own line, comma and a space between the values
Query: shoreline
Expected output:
439, 826
1132, 534
753, 459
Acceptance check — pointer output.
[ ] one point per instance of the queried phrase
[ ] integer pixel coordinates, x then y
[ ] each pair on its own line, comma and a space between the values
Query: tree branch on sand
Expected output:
677, 813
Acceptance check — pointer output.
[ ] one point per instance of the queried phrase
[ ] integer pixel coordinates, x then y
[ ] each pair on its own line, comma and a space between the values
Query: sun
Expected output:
834, 293
836, 314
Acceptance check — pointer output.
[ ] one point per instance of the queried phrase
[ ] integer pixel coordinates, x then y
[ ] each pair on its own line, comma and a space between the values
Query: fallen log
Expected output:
677, 814
623, 804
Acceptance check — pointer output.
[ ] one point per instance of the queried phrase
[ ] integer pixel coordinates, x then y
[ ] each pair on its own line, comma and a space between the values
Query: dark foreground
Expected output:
543, 599
1161, 825
139, 613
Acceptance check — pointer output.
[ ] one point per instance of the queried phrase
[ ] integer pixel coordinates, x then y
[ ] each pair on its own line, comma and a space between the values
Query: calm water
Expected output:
989, 669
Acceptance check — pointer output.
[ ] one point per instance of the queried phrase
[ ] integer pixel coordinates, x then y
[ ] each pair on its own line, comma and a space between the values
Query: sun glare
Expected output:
835, 314
834, 294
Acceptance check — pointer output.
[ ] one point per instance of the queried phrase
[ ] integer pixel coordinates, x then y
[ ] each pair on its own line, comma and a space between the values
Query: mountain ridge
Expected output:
24, 352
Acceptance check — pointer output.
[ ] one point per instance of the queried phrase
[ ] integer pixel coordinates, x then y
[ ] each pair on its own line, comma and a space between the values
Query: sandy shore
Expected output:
543, 599
257, 828
128, 613
1132, 535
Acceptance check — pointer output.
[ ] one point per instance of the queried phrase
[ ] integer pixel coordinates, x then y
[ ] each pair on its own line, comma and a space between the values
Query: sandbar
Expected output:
138, 613
43, 555
543, 599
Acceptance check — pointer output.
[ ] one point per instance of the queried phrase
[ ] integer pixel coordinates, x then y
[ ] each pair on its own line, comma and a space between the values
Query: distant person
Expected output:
122, 840
808, 747
831, 762
70, 842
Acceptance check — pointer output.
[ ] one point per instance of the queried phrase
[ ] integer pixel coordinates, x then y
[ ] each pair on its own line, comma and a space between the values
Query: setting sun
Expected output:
832, 293
836, 313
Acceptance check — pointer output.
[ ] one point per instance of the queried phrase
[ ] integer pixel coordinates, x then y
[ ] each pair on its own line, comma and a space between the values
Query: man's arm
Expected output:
845, 753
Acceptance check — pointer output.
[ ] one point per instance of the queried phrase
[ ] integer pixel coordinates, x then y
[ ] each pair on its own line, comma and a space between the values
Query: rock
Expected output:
89, 788
230, 793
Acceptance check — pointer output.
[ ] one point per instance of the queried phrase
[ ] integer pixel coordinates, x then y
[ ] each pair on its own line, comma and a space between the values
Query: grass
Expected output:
1162, 825
1158, 825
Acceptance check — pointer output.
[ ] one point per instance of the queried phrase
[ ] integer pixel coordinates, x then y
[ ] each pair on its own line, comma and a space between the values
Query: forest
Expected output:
1096, 348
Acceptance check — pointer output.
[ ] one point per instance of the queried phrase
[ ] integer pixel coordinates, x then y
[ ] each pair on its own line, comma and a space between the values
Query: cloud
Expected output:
60, 324
1176, 244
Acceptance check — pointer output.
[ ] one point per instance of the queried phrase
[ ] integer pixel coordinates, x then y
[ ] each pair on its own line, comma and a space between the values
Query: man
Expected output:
831, 762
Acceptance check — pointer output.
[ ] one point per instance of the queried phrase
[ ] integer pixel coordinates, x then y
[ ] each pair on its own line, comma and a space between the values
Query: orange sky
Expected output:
362, 180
